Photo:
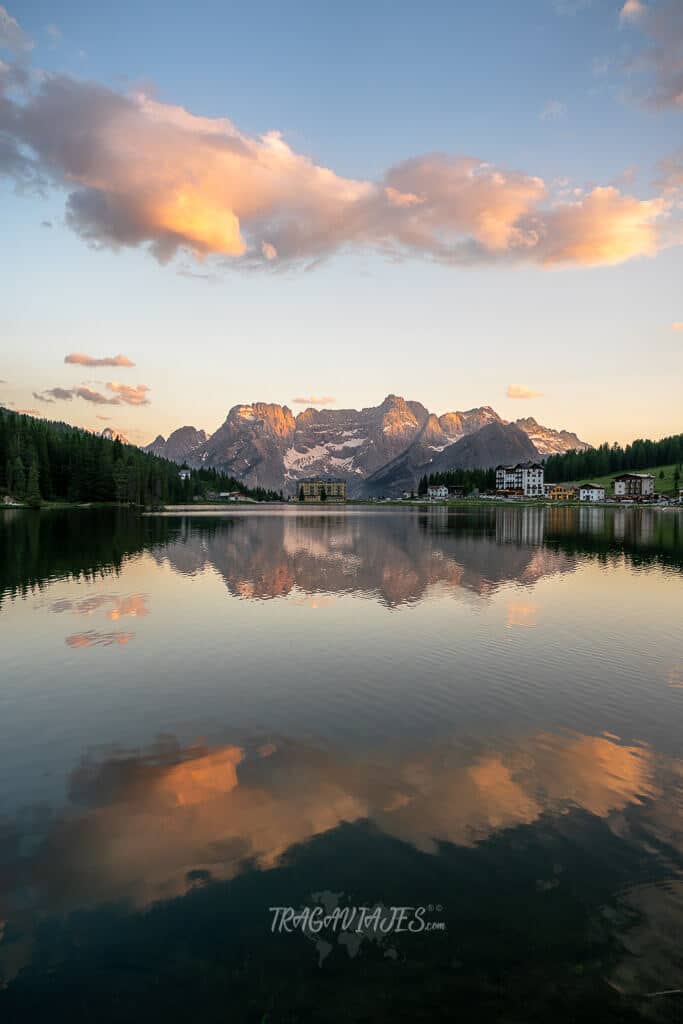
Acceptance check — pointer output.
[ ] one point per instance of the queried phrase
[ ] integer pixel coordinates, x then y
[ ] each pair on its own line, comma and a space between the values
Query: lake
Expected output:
234, 746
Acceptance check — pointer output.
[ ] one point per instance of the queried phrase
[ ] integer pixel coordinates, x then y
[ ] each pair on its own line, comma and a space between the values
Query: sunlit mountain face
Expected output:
204, 717
379, 449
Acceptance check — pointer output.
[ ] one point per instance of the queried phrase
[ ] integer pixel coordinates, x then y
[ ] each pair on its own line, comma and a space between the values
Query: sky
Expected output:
464, 204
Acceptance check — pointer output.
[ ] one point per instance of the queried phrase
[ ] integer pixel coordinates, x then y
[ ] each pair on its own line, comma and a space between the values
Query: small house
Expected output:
591, 492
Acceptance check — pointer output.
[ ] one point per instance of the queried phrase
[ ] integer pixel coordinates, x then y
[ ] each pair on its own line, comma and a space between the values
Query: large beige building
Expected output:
634, 485
322, 489
524, 478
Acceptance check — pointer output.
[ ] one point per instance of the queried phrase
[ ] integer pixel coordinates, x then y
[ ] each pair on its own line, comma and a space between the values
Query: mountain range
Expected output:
377, 450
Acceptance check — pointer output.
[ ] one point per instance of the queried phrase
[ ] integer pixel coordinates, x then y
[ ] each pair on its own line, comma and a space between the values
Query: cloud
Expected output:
661, 62
519, 391
601, 228
141, 172
12, 37
46, 223
101, 417
29, 412
137, 821
552, 110
315, 400
54, 32
115, 607
89, 395
677, 325
123, 394
60, 394
671, 173
632, 10
79, 359
94, 639
130, 394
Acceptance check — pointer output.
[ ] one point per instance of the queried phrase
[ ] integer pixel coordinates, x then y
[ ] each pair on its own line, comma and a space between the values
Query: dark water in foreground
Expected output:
477, 716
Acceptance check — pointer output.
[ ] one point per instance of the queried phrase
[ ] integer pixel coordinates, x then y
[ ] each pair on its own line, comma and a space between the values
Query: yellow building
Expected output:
322, 489
560, 492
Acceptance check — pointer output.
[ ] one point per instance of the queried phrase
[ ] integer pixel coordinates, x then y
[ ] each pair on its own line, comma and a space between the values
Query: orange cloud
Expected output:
80, 359
522, 613
632, 10
519, 391
603, 227
144, 172
134, 607
677, 325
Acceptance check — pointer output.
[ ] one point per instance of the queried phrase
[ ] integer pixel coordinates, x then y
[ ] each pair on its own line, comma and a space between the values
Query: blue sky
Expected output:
538, 89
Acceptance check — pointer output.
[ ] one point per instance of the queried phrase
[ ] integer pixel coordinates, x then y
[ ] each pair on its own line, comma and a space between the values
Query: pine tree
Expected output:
33, 496
18, 478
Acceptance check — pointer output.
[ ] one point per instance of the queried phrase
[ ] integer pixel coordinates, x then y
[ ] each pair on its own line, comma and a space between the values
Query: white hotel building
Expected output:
525, 478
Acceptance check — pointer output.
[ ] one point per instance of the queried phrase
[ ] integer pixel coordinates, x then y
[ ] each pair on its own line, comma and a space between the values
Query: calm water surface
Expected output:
475, 713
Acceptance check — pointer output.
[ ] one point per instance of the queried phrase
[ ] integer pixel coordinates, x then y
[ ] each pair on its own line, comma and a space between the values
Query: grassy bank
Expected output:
663, 484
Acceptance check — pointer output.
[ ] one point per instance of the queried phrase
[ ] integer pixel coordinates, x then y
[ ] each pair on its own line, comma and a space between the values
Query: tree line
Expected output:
467, 480
597, 462
43, 460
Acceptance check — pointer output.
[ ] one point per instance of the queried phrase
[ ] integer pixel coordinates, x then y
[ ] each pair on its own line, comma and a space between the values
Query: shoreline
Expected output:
457, 503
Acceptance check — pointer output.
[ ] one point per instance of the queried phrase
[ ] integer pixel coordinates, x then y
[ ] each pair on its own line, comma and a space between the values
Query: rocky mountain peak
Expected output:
399, 415
267, 416
432, 432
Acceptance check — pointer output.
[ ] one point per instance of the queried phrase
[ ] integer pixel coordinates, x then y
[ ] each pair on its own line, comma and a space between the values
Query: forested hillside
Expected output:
50, 461
598, 462
467, 479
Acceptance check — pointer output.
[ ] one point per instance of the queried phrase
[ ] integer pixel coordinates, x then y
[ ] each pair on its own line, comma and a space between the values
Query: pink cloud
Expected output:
139, 172
127, 394
659, 63
130, 394
12, 36
315, 400
80, 359
92, 638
